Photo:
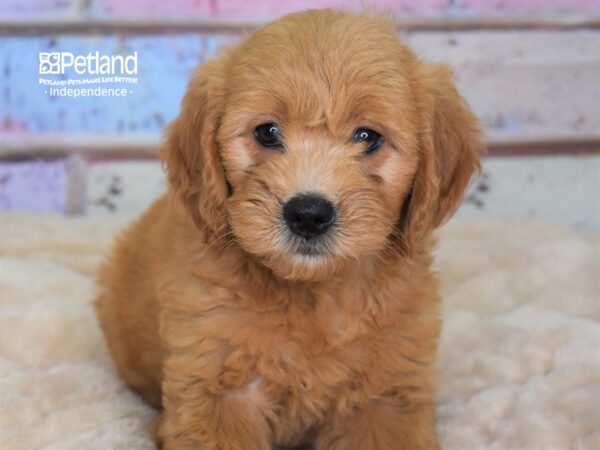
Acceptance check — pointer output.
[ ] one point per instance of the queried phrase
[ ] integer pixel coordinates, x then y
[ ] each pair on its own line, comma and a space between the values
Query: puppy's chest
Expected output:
309, 367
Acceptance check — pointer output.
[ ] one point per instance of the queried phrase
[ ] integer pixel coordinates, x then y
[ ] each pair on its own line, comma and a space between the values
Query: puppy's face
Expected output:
319, 150
320, 134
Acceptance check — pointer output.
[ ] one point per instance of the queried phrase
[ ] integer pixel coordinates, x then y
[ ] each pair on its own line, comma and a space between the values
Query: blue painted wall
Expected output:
164, 66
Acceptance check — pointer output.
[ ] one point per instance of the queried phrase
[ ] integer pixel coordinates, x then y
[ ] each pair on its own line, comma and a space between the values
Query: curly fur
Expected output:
207, 308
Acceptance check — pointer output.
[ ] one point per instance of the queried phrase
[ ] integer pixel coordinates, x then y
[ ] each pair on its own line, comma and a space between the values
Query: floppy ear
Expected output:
450, 148
197, 183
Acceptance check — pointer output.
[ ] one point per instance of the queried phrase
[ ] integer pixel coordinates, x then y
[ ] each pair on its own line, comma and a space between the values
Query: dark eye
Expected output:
372, 138
268, 135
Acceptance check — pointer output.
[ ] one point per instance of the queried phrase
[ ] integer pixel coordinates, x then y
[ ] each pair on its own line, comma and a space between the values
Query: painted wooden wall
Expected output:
272, 8
165, 61
534, 84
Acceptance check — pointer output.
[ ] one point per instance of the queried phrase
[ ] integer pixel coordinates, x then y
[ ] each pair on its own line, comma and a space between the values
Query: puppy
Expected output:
281, 293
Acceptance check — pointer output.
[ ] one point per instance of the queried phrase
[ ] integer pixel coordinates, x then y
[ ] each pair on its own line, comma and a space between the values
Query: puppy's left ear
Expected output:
450, 148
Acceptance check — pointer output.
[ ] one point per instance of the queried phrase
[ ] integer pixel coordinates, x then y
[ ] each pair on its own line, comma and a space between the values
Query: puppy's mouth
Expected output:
314, 247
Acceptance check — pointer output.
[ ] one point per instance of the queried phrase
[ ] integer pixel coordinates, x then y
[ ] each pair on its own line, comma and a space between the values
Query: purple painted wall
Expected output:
37, 7
33, 186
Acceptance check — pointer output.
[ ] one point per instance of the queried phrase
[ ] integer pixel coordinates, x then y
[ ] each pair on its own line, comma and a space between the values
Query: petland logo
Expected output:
68, 75
57, 63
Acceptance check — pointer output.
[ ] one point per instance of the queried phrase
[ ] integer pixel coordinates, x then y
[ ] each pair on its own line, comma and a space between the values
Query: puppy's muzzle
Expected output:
308, 215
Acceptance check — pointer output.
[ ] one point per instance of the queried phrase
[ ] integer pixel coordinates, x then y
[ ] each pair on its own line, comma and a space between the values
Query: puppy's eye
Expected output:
373, 139
268, 135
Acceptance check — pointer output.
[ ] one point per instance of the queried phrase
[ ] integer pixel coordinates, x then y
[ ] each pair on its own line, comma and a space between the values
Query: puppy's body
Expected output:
287, 359
215, 311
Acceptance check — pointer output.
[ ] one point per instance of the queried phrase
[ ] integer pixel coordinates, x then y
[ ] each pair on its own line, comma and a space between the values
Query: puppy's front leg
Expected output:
382, 425
213, 425
196, 418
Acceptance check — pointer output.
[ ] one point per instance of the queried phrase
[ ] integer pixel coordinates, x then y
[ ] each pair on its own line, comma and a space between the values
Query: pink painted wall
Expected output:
516, 6
269, 8
264, 9
258, 8
272, 8
151, 7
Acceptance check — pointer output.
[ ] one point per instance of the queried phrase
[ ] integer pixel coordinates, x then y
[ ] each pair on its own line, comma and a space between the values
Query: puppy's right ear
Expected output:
195, 174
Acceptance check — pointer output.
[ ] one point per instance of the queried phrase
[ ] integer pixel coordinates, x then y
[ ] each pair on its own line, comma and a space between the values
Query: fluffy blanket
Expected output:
519, 357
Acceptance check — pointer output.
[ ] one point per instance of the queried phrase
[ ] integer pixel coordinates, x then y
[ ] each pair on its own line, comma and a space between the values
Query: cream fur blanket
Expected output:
519, 358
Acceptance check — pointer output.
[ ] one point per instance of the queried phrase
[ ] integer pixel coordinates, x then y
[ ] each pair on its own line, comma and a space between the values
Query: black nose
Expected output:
308, 215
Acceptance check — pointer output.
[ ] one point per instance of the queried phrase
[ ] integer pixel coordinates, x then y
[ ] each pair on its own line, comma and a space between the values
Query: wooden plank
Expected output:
93, 146
140, 24
527, 85
100, 147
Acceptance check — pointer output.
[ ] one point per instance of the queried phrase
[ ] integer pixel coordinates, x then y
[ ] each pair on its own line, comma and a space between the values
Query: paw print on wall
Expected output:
476, 193
108, 200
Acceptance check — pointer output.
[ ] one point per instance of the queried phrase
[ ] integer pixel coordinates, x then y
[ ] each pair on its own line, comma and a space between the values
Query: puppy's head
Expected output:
321, 140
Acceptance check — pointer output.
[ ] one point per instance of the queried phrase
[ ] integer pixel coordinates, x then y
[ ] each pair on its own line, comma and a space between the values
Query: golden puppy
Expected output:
281, 294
